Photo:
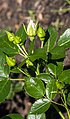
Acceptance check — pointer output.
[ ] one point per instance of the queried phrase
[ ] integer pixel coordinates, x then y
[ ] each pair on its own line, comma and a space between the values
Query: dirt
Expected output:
15, 12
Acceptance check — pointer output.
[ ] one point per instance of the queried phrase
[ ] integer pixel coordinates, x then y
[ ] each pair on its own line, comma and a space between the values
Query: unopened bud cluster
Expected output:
35, 29
13, 38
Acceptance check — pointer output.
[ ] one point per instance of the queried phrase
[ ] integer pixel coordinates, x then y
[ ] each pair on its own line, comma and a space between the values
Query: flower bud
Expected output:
10, 36
17, 40
41, 33
13, 38
10, 61
29, 63
31, 29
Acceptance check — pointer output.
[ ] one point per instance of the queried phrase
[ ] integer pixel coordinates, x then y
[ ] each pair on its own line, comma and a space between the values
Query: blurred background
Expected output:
13, 13
48, 12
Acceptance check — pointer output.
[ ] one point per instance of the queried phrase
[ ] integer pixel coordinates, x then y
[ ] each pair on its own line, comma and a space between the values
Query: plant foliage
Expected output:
43, 68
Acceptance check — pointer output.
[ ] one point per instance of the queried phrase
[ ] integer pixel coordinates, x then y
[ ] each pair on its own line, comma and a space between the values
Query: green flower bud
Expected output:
29, 63
41, 33
31, 29
13, 38
17, 40
10, 36
10, 61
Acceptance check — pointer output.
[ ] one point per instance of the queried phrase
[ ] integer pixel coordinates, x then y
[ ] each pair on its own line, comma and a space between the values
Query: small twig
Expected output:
25, 73
61, 10
16, 79
57, 103
60, 113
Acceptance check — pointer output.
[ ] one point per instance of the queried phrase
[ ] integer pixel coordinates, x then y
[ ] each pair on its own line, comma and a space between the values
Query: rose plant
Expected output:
43, 68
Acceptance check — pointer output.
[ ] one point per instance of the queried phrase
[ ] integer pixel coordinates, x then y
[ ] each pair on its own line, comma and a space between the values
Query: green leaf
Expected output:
59, 68
4, 68
58, 52
5, 117
2, 74
65, 76
15, 89
6, 46
34, 87
64, 38
11, 92
15, 70
55, 69
40, 106
45, 77
68, 99
4, 89
51, 89
37, 116
53, 38
31, 47
52, 69
21, 33
19, 86
15, 116
39, 53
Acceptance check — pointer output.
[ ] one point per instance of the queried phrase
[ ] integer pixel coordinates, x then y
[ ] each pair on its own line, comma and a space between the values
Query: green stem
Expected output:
37, 70
57, 109
21, 51
23, 72
31, 47
57, 103
21, 55
42, 44
24, 50
66, 107
17, 79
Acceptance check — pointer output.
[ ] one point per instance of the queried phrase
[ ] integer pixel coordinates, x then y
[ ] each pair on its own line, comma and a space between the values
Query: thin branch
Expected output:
16, 79
57, 109
57, 103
